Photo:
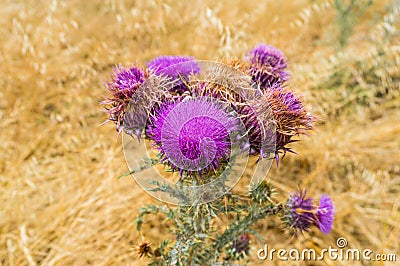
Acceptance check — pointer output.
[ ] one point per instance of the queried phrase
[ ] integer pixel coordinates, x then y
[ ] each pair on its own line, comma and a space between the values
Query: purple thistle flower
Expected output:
125, 81
288, 113
176, 68
291, 116
325, 214
193, 134
299, 213
268, 66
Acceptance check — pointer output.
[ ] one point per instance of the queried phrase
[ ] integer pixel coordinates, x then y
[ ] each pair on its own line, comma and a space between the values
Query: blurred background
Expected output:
61, 201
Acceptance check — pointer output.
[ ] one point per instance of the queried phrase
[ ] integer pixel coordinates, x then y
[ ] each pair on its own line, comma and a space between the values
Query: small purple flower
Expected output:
192, 135
124, 83
301, 213
176, 68
325, 214
268, 66
126, 80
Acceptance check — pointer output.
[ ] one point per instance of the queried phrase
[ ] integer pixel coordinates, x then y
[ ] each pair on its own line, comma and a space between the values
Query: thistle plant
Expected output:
200, 122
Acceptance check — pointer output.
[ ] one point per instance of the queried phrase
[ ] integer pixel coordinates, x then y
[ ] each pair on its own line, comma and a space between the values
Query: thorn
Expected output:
277, 159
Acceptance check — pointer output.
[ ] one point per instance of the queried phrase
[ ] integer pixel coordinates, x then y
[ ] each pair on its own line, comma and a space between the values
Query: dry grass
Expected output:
60, 200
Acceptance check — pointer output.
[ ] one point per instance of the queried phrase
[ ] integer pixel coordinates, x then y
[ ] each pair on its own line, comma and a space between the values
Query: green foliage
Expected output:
262, 193
348, 13
368, 80
357, 83
152, 209
197, 241
146, 163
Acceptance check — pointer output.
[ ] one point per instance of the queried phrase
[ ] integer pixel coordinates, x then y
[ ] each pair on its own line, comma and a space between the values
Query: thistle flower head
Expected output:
241, 244
301, 213
268, 66
193, 134
177, 68
292, 118
325, 214
125, 81
288, 113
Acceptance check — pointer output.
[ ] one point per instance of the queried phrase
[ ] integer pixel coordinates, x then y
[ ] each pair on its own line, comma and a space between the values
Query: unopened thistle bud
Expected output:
242, 244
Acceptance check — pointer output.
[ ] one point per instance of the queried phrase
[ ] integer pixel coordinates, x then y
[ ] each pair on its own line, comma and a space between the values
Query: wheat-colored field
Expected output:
61, 201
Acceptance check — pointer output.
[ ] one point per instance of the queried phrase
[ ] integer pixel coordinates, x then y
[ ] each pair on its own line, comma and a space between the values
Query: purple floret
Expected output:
300, 211
268, 66
176, 68
124, 83
192, 135
325, 213
126, 80
292, 102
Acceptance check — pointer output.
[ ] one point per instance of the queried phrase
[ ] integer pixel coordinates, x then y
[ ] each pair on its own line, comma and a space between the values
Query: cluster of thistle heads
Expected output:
189, 119
205, 123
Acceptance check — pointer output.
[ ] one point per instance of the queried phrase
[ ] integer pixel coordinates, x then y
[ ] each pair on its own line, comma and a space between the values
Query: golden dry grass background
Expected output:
61, 203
